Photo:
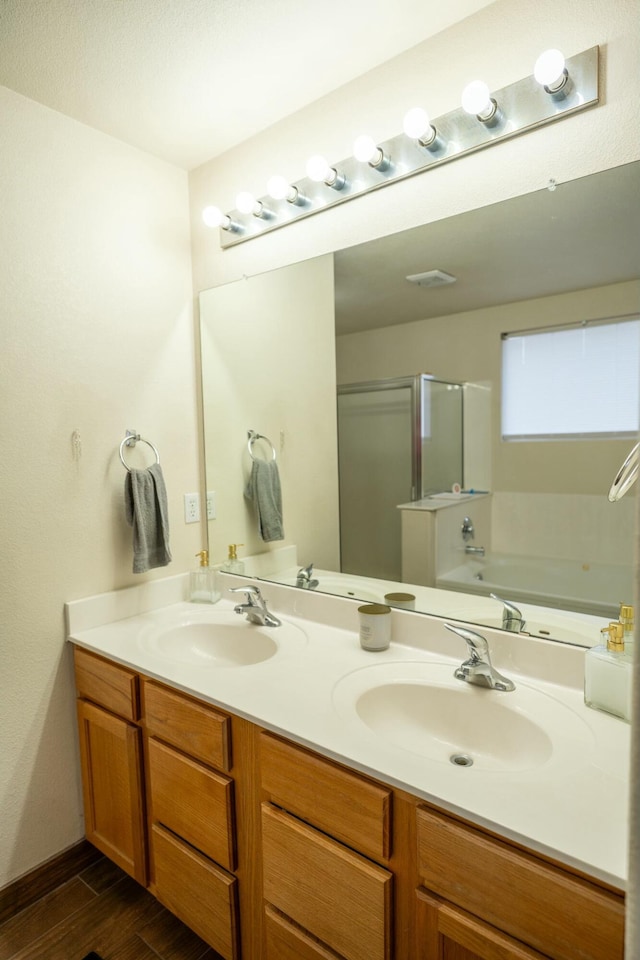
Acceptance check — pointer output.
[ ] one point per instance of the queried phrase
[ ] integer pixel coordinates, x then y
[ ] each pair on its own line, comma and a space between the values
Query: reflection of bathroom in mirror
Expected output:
544, 532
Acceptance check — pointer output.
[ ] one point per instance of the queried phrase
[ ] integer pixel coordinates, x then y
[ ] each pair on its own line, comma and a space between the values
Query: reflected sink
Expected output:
211, 638
420, 708
340, 587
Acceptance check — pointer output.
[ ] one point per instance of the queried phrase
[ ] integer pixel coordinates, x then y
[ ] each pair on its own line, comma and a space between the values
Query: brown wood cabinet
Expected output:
270, 851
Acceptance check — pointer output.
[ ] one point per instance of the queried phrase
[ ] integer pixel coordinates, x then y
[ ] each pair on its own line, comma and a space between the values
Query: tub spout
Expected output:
474, 551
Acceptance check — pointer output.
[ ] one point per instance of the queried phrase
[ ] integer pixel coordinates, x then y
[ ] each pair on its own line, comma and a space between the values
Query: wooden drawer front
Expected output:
111, 762
198, 892
339, 802
560, 915
447, 933
335, 894
108, 684
187, 724
284, 941
192, 801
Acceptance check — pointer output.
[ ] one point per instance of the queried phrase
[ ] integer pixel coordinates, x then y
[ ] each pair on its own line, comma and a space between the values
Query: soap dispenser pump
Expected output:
202, 581
232, 564
608, 674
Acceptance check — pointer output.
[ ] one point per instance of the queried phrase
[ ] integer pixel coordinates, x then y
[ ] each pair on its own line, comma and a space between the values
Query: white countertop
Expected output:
572, 808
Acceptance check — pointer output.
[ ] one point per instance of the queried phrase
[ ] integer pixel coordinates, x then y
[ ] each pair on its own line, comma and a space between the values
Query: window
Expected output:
572, 382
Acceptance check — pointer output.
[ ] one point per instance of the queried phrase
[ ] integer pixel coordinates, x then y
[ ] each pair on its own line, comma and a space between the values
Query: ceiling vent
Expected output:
432, 278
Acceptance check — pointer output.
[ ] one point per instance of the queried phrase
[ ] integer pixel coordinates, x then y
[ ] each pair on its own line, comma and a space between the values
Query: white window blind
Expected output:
571, 382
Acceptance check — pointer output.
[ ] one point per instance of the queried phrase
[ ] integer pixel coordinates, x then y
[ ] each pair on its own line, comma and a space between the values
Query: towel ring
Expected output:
253, 436
130, 441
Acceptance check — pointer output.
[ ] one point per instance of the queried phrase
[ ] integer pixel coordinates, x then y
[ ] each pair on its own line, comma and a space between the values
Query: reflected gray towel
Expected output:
145, 504
263, 489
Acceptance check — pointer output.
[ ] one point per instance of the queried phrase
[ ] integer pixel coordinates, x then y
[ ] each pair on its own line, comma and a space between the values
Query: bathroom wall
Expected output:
97, 336
585, 467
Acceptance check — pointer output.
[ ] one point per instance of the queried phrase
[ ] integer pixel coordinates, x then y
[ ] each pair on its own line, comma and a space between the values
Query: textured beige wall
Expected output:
97, 336
467, 346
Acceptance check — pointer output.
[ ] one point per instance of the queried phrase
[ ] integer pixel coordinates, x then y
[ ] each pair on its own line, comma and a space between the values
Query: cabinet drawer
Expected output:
194, 727
198, 892
335, 894
560, 915
106, 683
192, 801
284, 941
343, 804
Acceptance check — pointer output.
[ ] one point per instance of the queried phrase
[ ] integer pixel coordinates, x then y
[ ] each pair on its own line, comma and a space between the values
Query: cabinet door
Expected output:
111, 760
285, 941
447, 933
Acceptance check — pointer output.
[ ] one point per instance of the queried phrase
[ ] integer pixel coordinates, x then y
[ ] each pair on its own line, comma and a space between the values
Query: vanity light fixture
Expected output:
417, 125
477, 100
555, 90
279, 188
551, 73
366, 150
320, 171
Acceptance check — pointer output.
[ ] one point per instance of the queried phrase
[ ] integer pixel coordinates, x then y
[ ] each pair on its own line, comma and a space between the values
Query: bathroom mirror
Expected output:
557, 256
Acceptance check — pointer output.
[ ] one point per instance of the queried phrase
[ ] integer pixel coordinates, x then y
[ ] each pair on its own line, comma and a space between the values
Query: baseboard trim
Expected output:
46, 877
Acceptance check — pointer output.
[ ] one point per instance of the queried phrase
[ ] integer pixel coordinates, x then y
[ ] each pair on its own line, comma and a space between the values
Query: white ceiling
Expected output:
188, 79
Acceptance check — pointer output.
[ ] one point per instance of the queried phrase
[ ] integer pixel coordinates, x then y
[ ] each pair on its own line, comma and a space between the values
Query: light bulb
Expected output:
320, 171
418, 126
366, 150
549, 70
247, 203
476, 98
214, 217
280, 189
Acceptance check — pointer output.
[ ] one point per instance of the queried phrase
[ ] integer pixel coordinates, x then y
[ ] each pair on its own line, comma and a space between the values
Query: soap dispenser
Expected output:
608, 674
232, 564
202, 581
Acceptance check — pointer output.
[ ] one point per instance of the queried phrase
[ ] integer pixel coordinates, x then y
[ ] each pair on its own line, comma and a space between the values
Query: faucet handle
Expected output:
478, 646
467, 531
511, 614
251, 591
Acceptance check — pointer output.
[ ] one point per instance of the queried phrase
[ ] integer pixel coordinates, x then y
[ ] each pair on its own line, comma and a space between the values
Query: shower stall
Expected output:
399, 440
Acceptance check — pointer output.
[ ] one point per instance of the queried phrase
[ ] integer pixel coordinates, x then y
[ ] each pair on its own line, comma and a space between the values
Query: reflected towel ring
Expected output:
130, 441
253, 436
626, 475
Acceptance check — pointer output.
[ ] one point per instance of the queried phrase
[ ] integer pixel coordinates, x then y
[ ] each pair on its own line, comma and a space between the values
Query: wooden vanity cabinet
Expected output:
111, 761
191, 814
322, 825
492, 899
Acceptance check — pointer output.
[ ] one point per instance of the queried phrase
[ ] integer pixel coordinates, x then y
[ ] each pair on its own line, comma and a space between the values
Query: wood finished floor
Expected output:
100, 909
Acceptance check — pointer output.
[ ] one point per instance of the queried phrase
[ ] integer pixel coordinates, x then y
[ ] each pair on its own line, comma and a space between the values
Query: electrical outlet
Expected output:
191, 507
211, 504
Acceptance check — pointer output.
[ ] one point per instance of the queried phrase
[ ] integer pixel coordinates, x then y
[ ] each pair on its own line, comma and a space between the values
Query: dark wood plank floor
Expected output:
100, 909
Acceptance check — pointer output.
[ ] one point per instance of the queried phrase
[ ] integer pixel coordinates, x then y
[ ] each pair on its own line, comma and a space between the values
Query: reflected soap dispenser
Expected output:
608, 674
202, 582
232, 564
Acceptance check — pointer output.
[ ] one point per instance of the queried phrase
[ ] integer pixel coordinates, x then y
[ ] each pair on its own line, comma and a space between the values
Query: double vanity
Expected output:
289, 795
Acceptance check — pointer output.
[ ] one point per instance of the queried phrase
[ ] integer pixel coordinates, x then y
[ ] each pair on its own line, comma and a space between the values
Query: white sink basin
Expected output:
210, 638
422, 709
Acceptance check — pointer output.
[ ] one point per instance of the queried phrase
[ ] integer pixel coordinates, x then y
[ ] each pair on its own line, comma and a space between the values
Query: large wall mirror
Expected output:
355, 373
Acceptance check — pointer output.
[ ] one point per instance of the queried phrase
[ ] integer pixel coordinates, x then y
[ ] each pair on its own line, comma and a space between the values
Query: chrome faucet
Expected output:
255, 608
512, 618
474, 551
304, 580
478, 669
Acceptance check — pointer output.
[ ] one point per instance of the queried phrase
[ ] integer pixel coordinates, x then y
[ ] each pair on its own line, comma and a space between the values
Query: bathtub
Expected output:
594, 588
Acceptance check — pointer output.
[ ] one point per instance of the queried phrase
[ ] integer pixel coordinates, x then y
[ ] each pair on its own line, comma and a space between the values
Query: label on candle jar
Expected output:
375, 626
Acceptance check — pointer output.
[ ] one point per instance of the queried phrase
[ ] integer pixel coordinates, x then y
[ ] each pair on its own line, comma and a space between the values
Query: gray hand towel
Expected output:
263, 489
145, 502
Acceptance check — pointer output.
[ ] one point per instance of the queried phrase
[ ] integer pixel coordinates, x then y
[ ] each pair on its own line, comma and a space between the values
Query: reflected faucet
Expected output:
255, 608
474, 551
304, 580
467, 530
478, 669
512, 618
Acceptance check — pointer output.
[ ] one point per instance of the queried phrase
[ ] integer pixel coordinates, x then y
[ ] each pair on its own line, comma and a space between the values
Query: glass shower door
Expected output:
378, 464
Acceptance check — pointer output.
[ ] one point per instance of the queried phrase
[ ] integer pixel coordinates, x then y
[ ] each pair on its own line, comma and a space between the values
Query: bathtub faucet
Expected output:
474, 551
478, 669
512, 618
